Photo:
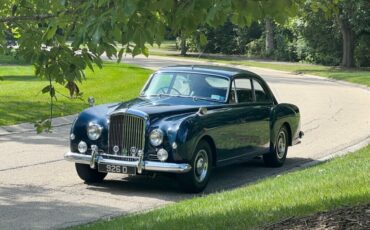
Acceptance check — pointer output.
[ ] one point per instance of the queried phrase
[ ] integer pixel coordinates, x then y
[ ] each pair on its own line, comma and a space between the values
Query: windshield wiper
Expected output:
195, 98
156, 95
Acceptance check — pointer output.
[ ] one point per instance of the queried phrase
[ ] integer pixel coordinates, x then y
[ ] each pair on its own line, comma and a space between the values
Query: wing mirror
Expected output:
91, 101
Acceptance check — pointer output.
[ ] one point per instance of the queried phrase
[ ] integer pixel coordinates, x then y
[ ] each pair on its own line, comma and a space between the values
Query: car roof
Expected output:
209, 69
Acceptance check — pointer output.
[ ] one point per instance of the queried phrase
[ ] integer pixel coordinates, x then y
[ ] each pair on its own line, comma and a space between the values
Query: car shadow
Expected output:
223, 178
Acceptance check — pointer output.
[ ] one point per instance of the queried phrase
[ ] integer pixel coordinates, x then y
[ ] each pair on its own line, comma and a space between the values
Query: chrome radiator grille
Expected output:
126, 134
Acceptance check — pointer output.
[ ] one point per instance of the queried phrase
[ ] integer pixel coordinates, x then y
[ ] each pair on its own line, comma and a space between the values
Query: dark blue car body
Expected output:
234, 131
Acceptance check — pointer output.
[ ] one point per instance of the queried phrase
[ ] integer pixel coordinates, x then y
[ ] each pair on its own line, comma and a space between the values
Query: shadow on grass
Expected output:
14, 110
20, 78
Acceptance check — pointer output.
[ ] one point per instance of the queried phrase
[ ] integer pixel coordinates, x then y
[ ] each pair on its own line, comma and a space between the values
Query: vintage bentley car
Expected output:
186, 121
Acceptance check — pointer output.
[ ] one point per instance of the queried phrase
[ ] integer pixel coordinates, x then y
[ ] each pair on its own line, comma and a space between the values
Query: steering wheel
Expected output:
165, 89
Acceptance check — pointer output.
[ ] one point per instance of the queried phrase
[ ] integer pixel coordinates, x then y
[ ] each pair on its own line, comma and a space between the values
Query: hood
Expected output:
164, 104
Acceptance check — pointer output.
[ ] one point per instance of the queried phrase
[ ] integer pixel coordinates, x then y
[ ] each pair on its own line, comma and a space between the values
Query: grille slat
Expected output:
126, 131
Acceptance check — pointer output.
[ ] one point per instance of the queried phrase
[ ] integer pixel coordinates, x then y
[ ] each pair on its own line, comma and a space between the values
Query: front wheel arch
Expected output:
189, 181
211, 144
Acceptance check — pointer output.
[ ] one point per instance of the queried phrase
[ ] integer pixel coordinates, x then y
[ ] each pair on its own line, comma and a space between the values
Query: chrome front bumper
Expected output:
141, 165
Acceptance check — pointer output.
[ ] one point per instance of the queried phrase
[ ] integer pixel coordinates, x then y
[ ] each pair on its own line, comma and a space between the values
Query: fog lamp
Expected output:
162, 154
82, 147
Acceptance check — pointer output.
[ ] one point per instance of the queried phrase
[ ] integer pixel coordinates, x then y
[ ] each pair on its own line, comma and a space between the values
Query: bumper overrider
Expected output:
141, 165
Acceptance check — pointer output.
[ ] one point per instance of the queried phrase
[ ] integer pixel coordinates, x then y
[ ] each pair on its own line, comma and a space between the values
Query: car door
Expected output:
262, 107
238, 135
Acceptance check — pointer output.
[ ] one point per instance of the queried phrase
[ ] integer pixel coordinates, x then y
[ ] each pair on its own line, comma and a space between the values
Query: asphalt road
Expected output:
38, 189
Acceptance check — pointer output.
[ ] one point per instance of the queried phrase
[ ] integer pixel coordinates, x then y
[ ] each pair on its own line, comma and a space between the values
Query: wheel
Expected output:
277, 155
88, 174
197, 178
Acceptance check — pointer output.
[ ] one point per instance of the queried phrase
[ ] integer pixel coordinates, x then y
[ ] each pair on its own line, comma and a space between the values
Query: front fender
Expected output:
184, 130
97, 114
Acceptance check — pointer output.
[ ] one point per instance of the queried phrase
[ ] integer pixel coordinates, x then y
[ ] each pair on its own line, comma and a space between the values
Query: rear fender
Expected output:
285, 114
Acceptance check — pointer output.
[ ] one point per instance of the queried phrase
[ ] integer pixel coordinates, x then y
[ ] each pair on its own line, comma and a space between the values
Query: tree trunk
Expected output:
348, 42
269, 28
183, 46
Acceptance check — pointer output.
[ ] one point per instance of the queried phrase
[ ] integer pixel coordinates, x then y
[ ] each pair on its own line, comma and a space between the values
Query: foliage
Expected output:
340, 182
285, 41
256, 48
322, 37
230, 39
95, 27
362, 51
351, 17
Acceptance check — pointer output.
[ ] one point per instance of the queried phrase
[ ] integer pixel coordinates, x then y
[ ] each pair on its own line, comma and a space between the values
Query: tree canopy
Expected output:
61, 38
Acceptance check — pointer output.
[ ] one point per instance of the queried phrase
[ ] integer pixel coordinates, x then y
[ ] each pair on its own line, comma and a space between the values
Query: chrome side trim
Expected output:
140, 164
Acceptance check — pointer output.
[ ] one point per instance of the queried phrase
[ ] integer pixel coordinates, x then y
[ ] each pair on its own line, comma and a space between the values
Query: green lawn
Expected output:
339, 182
21, 99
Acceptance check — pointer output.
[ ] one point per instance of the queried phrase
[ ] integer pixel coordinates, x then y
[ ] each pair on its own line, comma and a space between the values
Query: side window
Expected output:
243, 90
261, 95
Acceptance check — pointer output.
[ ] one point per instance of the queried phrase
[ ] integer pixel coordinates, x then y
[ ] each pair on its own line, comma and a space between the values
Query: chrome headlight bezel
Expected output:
94, 131
156, 137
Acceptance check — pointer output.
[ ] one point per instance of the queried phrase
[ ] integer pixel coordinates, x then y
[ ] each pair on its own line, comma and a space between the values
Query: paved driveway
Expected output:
38, 189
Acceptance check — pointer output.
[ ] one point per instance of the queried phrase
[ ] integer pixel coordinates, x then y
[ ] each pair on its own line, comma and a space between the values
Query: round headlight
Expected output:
162, 155
156, 137
94, 131
82, 147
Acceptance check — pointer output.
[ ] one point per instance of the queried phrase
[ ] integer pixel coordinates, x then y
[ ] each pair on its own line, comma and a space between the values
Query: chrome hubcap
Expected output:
201, 165
281, 145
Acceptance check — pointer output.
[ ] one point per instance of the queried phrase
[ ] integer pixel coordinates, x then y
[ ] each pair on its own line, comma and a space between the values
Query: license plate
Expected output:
107, 168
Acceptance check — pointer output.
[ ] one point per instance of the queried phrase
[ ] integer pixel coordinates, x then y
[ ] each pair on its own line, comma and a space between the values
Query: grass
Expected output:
359, 76
339, 182
21, 99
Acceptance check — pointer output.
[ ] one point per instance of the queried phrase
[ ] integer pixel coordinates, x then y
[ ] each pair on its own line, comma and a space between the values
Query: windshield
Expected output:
188, 85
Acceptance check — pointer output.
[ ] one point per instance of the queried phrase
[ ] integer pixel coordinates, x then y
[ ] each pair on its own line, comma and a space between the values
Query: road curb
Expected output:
342, 152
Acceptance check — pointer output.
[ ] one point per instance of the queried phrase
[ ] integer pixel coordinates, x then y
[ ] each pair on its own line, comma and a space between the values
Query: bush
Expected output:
362, 51
231, 39
256, 48
285, 44
322, 39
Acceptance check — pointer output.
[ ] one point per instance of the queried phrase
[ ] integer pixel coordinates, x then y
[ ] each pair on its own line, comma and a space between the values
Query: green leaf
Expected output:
52, 92
43, 126
145, 51
136, 51
51, 32
203, 39
46, 89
